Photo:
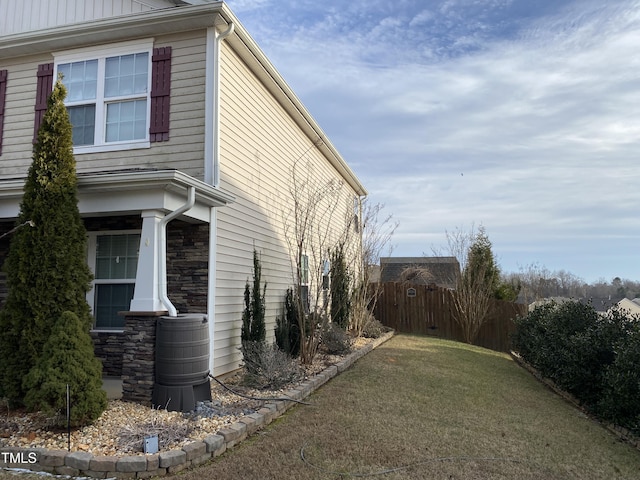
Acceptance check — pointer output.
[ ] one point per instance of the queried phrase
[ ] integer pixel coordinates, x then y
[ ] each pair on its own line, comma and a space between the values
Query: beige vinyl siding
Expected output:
27, 15
259, 144
183, 151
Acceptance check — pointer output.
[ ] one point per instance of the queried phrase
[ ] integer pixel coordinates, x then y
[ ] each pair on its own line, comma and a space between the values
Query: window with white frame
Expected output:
114, 259
108, 95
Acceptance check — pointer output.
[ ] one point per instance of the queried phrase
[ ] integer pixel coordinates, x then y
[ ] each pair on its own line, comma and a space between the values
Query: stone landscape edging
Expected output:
79, 463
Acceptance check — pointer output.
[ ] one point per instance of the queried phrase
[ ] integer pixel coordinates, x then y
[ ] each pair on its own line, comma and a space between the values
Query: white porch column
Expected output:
146, 297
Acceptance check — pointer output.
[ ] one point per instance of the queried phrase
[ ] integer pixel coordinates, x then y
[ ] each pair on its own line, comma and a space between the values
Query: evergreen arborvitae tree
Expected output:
481, 262
46, 267
253, 316
476, 285
67, 359
287, 330
340, 289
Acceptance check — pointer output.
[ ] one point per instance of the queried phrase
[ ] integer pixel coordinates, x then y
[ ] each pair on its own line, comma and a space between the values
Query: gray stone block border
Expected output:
61, 462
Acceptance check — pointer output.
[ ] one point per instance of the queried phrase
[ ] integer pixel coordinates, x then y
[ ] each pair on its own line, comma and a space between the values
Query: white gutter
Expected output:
162, 250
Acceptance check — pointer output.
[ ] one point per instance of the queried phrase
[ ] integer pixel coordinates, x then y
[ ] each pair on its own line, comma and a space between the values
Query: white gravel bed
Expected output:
122, 426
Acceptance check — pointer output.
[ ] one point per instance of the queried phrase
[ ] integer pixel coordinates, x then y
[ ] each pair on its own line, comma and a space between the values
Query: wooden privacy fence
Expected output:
428, 310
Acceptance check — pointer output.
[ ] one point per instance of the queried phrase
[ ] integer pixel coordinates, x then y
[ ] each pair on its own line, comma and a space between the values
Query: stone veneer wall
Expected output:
138, 356
108, 347
188, 266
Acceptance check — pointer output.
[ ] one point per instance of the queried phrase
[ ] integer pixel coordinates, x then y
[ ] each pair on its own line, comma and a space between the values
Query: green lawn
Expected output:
435, 410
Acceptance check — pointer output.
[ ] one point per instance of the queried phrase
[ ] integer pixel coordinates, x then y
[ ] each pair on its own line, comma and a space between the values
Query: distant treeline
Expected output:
536, 282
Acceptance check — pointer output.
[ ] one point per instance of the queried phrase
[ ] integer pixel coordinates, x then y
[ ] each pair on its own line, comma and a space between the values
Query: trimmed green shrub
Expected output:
340, 289
620, 401
253, 316
67, 359
594, 357
564, 343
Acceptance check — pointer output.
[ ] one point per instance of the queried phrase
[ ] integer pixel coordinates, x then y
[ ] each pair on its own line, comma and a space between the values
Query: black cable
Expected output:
262, 399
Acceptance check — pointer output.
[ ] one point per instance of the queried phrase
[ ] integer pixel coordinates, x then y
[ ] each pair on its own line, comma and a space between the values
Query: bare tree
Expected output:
476, 285
537, 282
325, 217
377, 231
311, 233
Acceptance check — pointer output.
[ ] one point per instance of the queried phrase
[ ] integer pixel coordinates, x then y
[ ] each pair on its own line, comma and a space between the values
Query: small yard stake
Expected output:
68, 420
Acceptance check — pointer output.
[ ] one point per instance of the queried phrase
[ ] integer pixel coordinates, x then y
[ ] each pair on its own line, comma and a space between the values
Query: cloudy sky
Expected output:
519, 115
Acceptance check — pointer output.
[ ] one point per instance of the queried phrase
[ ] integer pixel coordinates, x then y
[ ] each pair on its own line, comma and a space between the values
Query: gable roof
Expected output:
443, 271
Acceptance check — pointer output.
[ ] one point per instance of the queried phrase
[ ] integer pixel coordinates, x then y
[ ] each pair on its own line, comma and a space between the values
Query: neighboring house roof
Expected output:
600, 304
443, 271
631, 306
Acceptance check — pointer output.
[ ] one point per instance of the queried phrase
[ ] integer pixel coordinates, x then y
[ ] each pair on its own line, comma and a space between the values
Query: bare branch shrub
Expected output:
377, 231
476, 284
336, 340
169, 430
373, 328
267, 367
310, 232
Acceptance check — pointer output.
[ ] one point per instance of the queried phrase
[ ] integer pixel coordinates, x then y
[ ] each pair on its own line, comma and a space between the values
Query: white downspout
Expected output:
212, 164
211, 293
216, 104
162, 250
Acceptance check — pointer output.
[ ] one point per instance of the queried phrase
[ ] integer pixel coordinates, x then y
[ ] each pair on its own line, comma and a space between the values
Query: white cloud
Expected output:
421, 18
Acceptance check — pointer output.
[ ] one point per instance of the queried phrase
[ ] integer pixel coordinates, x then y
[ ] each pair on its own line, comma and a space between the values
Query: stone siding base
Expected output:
138, 356
108, 349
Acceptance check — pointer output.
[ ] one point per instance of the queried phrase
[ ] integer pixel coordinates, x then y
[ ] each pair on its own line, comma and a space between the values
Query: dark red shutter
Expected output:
3, 96
160, 94
43, 90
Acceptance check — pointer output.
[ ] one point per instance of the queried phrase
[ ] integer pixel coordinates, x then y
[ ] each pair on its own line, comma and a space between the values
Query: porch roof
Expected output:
126, 192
